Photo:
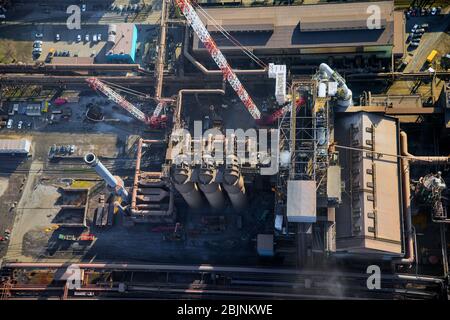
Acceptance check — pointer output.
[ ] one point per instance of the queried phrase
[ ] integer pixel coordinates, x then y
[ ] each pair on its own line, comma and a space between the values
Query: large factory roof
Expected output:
368, 220
305, 26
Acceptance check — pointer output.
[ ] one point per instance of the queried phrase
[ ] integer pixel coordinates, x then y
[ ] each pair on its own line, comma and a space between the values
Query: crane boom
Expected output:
112, 95
228, 73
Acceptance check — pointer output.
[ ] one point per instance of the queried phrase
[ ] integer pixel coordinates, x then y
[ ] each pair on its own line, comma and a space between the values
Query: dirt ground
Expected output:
12, 51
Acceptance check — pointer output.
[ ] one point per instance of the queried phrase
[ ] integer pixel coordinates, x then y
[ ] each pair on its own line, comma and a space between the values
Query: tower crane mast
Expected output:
228, 73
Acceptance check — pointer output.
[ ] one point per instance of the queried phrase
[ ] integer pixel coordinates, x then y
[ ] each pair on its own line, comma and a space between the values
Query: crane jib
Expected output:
209, 43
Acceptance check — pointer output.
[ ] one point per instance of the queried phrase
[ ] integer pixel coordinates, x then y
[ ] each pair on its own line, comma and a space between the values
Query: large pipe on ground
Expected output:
183, 182
208, 183
233, 183
113, 182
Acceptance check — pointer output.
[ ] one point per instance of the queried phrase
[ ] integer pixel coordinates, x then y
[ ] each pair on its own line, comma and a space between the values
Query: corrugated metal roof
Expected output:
14, 146
243, 27
303, 26
337, 25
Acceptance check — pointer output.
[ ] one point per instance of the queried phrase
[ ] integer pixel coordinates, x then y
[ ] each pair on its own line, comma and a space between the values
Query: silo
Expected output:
183, 182
208, 183
233, 183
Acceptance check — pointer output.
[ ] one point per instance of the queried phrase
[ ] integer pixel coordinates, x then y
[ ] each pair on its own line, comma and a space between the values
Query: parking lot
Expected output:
25, 22
77, 43
432, 37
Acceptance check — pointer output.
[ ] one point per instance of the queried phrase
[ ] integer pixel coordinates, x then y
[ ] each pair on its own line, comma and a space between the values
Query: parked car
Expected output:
37, 45
433, 11
99, 37
37, 50
414, 44
414, 28
410, 37
424, 26
10, 123
83, 7
78, 38
94, 38
419, 30
86, 38
39, 35
19, 125
57, 37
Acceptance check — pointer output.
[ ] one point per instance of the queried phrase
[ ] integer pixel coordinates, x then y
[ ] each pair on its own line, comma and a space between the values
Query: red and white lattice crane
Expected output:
155, 121
271, 119
228, 73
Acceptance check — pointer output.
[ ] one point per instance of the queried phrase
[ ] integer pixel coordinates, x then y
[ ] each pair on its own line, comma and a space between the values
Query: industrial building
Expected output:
122, 41
369, 217
268, 151
17, 146
309, 32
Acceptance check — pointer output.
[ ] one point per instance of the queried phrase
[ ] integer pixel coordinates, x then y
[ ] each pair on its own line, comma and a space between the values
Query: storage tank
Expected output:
322, 90
112, 29
209, 185
233, 183
183, 182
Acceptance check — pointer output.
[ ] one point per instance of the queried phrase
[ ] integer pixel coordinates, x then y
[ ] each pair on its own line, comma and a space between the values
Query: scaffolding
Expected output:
304, 137
304, 142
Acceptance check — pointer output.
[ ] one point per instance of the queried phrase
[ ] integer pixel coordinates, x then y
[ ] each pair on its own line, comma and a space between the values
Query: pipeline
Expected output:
405, 161
346, 95
35, 68
208, 72
415, 159
161, 51
193, 91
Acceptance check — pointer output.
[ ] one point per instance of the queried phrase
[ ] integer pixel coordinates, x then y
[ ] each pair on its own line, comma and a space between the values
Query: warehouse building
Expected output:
308, 32
369, 218
122, 42
18, 146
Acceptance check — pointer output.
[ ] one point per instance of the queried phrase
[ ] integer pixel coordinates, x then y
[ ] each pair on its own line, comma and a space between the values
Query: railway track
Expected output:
207, 281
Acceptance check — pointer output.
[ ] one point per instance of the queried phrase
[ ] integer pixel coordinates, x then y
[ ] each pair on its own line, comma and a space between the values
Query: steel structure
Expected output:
228, 73
154, 121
